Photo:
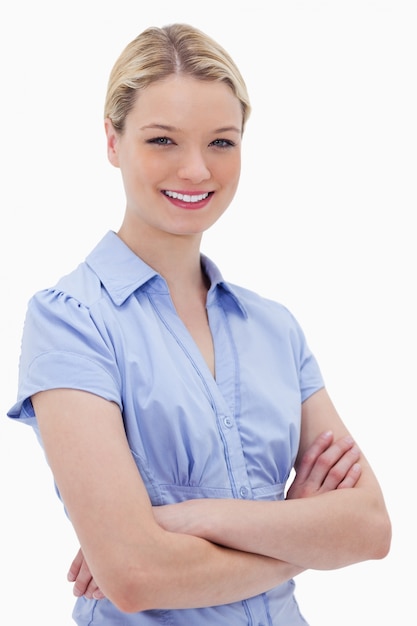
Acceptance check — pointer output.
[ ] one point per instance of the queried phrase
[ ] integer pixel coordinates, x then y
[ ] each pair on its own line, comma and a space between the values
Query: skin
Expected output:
326, 465
184, 136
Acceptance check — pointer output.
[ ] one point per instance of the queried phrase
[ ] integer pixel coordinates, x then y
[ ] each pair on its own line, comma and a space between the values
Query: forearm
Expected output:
210, 574
322, 532
184, 571
334, 514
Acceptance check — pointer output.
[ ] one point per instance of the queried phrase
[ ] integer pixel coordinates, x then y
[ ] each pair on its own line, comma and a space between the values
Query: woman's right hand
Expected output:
84, 583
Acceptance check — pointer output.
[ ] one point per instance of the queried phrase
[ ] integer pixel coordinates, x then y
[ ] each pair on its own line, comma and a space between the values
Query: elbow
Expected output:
137, 577
376, 536
133, 591
376, 529
127, 599
369, 538
382, 539
126, 603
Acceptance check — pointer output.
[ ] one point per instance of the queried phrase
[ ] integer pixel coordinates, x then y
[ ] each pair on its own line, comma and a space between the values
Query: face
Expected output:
179, 155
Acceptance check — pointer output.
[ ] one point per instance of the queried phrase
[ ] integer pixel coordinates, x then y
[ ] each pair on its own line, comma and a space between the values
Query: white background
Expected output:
323, 222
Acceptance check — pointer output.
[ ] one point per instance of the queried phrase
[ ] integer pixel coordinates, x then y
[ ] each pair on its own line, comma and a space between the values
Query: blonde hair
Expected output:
157, 53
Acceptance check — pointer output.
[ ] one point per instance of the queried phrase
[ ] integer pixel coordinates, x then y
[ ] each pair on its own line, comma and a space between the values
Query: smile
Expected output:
184, 197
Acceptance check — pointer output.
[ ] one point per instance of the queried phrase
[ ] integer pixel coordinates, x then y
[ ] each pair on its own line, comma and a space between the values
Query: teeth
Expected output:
186, 197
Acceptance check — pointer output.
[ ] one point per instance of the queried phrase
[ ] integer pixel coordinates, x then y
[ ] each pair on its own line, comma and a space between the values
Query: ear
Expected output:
112, 142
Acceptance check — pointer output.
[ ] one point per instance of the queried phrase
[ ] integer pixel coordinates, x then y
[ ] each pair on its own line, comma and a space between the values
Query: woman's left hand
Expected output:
326, 465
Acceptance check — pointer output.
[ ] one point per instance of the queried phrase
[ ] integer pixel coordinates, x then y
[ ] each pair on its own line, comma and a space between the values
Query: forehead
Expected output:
185, 101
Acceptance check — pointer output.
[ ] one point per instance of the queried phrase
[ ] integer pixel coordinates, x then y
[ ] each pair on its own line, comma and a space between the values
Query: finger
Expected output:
309, 458
75, 566
351, 477
83, 580
98, 594
340, 469
326, 467
93, 591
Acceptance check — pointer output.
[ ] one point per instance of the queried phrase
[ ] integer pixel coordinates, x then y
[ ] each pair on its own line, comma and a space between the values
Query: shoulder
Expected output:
102, 273
74, 294
82, 284
255, 303
270, 319
66, 341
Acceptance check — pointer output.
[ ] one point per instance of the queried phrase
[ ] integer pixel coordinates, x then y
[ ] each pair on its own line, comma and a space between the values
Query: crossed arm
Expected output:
334, 514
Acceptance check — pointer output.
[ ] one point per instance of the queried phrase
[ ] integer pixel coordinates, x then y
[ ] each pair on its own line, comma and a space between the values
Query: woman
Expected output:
173, 406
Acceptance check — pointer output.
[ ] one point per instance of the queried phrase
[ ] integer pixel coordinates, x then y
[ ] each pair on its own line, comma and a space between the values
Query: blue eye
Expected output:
160, 141
222, 143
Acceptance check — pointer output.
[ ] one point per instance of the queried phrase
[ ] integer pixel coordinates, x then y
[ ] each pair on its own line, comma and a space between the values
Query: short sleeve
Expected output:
64, 346
310, 377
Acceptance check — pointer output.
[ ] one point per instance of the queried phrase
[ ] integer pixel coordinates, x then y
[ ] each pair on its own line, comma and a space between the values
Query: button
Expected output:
228, 422
243, 492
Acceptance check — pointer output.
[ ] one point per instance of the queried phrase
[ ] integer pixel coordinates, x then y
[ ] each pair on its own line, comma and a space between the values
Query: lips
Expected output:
188, 200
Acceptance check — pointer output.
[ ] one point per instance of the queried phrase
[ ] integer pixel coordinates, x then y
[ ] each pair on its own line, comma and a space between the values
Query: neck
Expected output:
175, 257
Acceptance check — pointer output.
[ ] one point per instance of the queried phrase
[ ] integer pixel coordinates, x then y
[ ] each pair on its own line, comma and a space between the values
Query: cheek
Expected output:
153, 168
144, 170
229, 171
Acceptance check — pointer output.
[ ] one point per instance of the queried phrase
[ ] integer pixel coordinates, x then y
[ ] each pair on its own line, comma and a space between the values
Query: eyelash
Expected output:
223, 144
160, 141
226, 143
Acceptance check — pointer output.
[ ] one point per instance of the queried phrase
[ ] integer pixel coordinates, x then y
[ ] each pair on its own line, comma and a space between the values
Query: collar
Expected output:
122, 272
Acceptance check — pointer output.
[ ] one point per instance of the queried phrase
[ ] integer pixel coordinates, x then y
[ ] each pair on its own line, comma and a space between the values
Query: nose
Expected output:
193, 167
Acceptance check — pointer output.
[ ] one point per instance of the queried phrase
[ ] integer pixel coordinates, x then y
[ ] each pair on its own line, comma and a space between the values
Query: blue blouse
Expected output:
110, 328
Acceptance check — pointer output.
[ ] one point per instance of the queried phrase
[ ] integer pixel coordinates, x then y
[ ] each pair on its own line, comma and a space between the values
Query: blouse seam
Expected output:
69, 353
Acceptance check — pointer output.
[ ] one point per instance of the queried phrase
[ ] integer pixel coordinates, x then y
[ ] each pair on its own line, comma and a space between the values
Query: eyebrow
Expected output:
172, 129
